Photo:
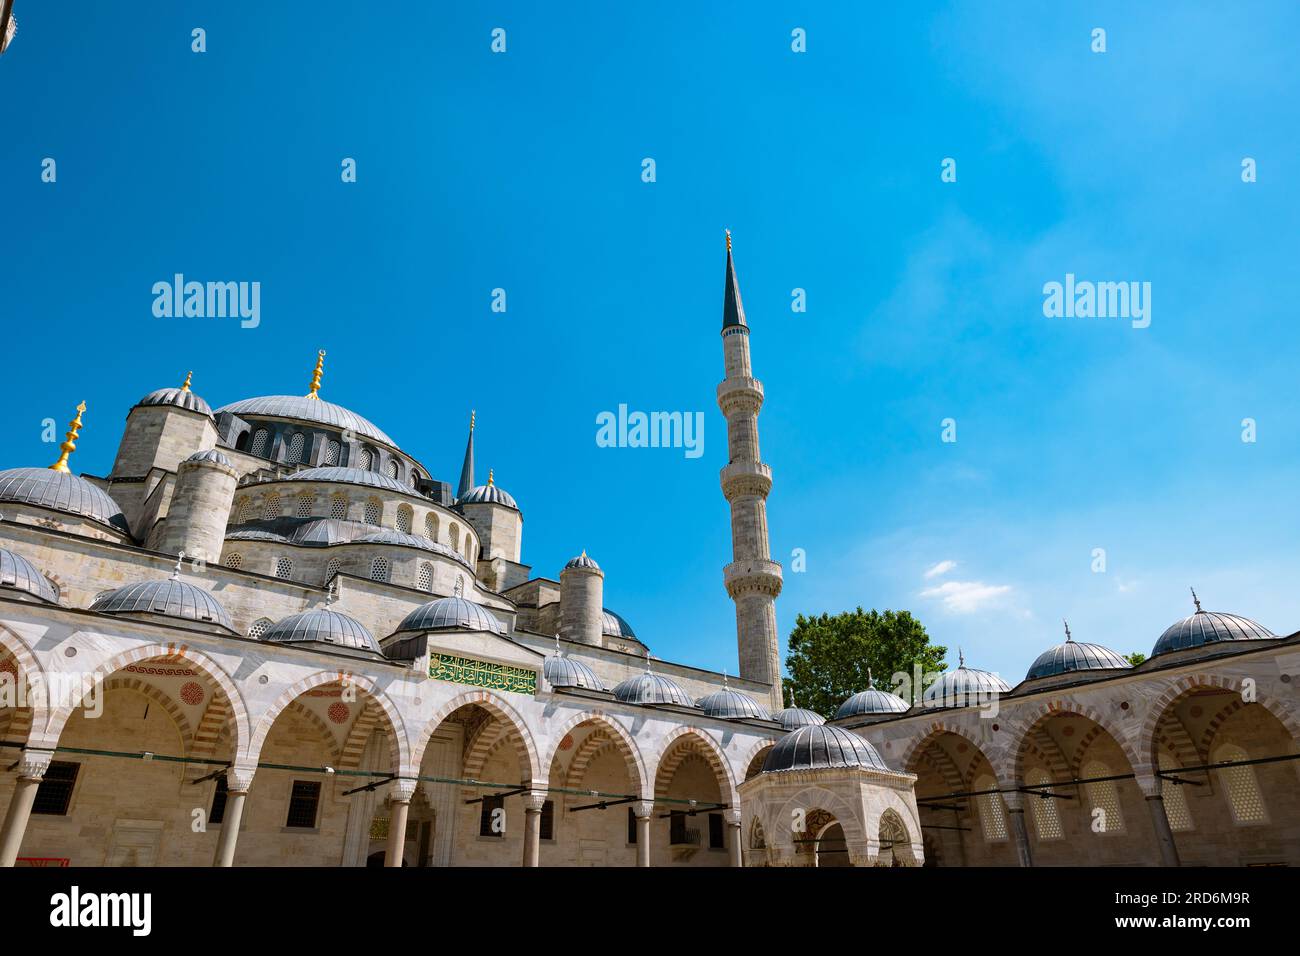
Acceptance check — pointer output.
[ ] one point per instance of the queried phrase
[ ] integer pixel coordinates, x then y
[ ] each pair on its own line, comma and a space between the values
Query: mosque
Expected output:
271, 636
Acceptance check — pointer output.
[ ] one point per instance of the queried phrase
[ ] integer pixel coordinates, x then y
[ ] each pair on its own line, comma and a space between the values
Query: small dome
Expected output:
351, 476
872, 703
488, 494
727, 704
388, 536
180, 397
20, 574
452, 614
567, 672
303, 409
816, 748
792, 718
256, 534
322, 626
964, 686
646, 688
1074, 656
614, 625
211, 455
171, 598
1209, 627
582, 561
60, 491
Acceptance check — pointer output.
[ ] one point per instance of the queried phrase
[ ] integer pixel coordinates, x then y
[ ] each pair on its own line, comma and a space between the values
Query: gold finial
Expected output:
489, 476
189, 377
69, 442
316, 375
728, 240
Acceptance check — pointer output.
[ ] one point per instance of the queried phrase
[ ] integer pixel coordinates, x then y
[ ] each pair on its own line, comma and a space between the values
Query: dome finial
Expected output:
558, 650
489, 477
647, 657
1068, 637
1196, 601
871, 685
726, 684
180, 561
329, 592
189, 377
961, 659
69, 442
316, 375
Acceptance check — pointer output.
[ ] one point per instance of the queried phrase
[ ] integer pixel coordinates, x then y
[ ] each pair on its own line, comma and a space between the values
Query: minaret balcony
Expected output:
745, 478
752, 576
740, 394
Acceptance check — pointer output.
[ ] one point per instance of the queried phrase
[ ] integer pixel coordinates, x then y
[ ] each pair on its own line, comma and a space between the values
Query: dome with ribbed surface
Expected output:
792, 718
322, 626
615, 625
966, 686
18, 573
562, 671
452, 614
212, 455
582, 561
256, 534
1209, 627
60, 491
872, 703
1074, 656
303, 409
488, 494
646, 688
351, 476
819, 748
179, 397
388, 536
170, 598
727, 704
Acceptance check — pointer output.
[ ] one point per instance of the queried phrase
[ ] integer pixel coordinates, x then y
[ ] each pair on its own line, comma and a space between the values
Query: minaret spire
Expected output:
752, 579
467, 469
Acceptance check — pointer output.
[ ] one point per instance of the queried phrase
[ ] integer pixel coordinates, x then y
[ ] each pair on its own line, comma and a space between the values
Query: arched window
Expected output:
391, 468
374, 511
431, 526
1175, 797
469, 548
332, 450
297, 444
993, 819
261, 438
1240, 786
244, 511
235, 560
283, 568
339, 505
379, 569
333, 568
1104, 796
306, 501
259, 627
425, 582
453, 530
405, 518
271, 506
415, 478
367, 459
1047, 816
241, 443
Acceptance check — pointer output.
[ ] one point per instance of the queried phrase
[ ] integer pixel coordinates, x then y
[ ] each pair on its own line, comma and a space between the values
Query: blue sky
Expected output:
522, 171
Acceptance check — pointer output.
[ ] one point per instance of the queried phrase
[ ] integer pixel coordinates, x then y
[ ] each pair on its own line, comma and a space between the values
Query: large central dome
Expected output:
301, 408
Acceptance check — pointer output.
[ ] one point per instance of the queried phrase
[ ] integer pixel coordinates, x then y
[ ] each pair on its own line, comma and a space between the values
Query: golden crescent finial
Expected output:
69, 442
489, 476
728, 240
189, 377
472, 415
316, 375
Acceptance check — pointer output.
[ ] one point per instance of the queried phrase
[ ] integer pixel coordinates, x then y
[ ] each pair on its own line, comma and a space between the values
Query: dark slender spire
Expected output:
467, 469
733, 310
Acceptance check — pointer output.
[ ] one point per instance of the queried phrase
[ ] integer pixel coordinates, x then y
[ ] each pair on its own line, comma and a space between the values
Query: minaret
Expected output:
467, 469
752, 579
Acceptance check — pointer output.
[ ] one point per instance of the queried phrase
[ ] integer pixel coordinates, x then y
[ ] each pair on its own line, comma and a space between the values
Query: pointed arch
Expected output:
499, 709
684, 740
636, 768
1028, 719
36, 711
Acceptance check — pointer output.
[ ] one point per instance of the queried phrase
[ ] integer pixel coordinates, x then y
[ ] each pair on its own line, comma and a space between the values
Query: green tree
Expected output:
829, 656
1136, 658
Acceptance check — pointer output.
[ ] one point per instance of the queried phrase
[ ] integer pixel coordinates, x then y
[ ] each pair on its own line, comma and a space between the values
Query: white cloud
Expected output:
943, 567
968, 597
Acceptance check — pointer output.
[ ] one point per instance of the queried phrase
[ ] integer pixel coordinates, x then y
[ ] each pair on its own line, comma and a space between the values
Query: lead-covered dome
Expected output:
170, 598
647, 688
872, 703
18, 573
1209, 627
615, 625
178, 397
304, 409
61, 491
966, 686
452, 614
402, 539
561, 671
727, 704
1074, 656
582, 561
322, 626
489, 494
792, 718
351, 476
211, 455
819, 748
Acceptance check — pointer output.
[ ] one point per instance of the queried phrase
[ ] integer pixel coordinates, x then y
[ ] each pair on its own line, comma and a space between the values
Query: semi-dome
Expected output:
351, 476
615, 625
256, 534
1072, 655
18, 573
964, 686
582, 561
322, 626
452, 614
727, 704
489, 494
304, 409
212, 455
872, 703
561, 671
170, 598
792, 718
647, 688
821, 747
1209, 627
61, 491
389, 536
180, 398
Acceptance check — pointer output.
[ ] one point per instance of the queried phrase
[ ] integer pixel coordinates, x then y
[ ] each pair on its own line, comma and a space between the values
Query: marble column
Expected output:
399, 805
643, 810
1019, 832
238, 782
534, 801
32, 765
1164, 832
734, 845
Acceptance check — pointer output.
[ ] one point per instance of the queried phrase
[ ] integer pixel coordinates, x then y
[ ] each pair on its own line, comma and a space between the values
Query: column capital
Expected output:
731, 816
643, 809
402, 790
239, 779
32, 764
1015, 801
534, 800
